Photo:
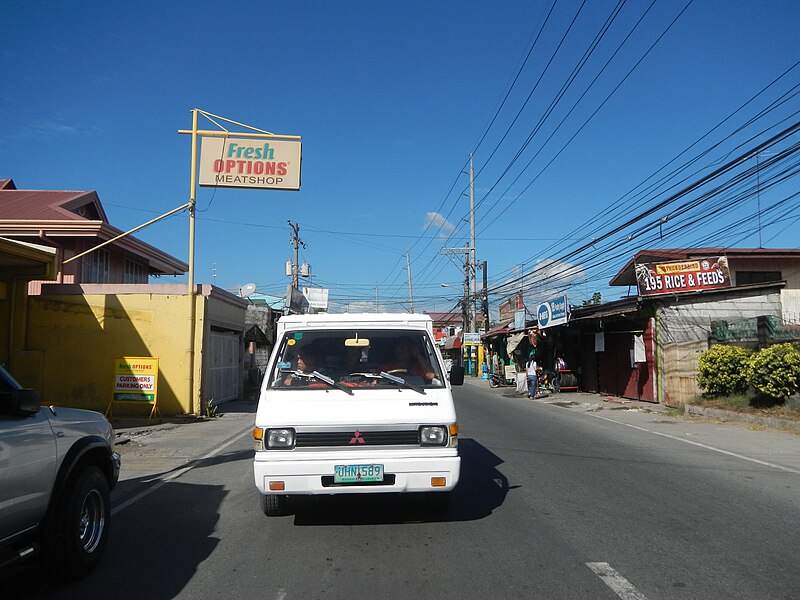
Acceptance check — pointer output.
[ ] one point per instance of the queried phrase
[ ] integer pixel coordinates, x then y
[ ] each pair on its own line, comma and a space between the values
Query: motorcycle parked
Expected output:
498, 380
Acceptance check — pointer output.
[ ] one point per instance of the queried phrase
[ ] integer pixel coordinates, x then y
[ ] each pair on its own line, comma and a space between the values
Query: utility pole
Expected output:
465, 301
472, 266
485, 299
410, 289
377, 305
296, 242
465, 314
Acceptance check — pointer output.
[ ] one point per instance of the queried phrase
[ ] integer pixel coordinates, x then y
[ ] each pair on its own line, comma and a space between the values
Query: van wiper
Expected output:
402, 382
320, 377
331, 382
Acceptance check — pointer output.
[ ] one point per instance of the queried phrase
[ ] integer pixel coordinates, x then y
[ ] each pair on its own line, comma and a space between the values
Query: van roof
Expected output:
332, 320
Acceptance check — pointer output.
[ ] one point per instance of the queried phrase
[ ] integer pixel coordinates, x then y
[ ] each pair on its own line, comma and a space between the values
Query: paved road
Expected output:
571, 501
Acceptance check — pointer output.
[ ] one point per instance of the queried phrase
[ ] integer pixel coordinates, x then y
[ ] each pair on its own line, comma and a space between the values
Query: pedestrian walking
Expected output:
533, 377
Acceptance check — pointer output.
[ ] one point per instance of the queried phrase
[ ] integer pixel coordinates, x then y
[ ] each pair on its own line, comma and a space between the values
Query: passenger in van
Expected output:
308, 361
408, 360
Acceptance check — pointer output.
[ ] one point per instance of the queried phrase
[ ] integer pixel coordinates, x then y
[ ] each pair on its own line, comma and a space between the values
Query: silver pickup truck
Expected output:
57, 467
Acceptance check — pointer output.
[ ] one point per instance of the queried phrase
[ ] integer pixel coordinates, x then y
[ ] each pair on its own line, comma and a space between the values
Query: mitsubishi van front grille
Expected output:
356, 438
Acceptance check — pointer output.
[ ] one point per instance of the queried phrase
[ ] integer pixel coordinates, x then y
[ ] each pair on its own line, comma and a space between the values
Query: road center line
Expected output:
700, 445
179, 472
613, 579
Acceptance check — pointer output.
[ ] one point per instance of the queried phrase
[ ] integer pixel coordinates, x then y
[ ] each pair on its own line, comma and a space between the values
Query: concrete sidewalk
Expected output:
578, 400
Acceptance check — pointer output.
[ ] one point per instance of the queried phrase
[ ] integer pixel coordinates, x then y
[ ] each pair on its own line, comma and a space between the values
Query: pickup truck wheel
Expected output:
274, 505
80, 524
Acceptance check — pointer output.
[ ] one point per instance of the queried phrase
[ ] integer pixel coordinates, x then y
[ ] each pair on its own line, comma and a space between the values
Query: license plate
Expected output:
357, 473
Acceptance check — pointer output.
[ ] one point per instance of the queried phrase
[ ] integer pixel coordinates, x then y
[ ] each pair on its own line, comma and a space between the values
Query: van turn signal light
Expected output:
438, 481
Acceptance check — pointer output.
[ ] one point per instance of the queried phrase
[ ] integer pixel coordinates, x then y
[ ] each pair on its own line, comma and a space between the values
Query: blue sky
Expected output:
390, 100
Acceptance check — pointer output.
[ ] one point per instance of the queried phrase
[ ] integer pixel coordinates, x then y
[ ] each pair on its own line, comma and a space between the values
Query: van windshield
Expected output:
355, 358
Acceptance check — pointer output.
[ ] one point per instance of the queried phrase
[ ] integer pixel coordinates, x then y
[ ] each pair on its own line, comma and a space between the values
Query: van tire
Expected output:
274, 505
437, 502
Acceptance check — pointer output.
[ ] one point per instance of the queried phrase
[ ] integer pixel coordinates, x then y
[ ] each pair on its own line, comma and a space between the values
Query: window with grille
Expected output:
135, 272
95, 267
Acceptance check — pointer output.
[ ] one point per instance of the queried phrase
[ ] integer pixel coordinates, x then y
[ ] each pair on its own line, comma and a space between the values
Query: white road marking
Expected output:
698, 444
179, 472
613, 579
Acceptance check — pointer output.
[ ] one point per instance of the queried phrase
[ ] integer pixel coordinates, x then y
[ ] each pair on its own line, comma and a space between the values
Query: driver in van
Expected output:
408, 360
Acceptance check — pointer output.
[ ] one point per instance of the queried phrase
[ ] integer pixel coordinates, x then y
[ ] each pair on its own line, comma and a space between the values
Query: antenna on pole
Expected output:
410, 288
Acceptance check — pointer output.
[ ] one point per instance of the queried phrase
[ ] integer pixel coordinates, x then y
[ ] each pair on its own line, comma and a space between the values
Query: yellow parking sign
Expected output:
135, 380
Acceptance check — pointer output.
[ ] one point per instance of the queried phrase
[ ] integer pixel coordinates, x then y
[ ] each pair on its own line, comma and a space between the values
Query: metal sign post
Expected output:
237, 160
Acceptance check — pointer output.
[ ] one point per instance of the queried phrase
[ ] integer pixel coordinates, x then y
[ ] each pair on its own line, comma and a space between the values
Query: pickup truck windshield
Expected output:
356, 359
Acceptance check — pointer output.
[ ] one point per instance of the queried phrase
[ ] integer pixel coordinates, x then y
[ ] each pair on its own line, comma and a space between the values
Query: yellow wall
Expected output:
72, 341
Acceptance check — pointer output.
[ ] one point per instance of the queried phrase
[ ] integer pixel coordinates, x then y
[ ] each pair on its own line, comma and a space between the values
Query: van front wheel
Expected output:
274, 505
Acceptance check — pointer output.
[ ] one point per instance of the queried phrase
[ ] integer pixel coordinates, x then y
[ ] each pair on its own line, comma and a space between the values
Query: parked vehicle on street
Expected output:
499, 380
57, 467
356, 404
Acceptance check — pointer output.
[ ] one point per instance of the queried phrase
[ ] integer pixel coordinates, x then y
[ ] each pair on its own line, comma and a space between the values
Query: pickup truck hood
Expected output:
365, 407
77, 423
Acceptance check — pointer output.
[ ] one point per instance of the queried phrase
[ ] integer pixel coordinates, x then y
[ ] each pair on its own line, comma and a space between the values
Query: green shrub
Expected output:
721, 370
775, 371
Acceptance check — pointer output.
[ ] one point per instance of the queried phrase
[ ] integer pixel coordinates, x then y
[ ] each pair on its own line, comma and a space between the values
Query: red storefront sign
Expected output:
683, 276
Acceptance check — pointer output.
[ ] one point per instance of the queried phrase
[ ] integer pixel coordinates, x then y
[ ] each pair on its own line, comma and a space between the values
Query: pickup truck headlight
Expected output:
433, 435
279, 439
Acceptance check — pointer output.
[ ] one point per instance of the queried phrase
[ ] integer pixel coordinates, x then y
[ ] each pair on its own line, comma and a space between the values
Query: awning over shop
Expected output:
498, 330
453, 343
513, 341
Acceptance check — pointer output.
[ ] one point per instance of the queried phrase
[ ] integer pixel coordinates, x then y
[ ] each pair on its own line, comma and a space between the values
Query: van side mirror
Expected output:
456, 375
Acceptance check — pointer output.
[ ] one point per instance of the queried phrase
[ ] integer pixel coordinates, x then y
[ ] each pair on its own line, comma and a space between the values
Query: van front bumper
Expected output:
309, 476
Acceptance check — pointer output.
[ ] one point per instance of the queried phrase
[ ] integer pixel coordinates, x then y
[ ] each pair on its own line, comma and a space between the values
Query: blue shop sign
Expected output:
553, 312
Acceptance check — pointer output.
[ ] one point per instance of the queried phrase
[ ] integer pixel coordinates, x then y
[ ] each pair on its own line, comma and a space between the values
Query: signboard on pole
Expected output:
267, 164
472, 339
317, 297
553, 312
683, 276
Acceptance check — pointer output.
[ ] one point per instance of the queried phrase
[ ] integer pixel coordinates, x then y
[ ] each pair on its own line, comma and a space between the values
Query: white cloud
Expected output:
435, 220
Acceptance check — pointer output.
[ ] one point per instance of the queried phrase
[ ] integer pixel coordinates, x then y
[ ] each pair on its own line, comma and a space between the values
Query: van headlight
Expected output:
279, 439
433, 435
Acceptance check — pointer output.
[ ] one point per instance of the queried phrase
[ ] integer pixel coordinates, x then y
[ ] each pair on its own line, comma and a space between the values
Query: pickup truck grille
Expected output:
353, 438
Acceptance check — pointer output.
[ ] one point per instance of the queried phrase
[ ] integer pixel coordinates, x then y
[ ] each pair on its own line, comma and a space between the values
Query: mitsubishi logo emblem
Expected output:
357, 439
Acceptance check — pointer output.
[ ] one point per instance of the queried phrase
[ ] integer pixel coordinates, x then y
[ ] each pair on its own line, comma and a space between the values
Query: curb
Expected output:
728, 415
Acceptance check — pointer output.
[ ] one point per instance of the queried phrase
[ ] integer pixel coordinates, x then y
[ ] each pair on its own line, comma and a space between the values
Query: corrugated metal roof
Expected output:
38, 205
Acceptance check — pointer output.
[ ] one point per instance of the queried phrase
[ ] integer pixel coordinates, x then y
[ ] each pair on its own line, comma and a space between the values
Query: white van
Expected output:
356, 404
